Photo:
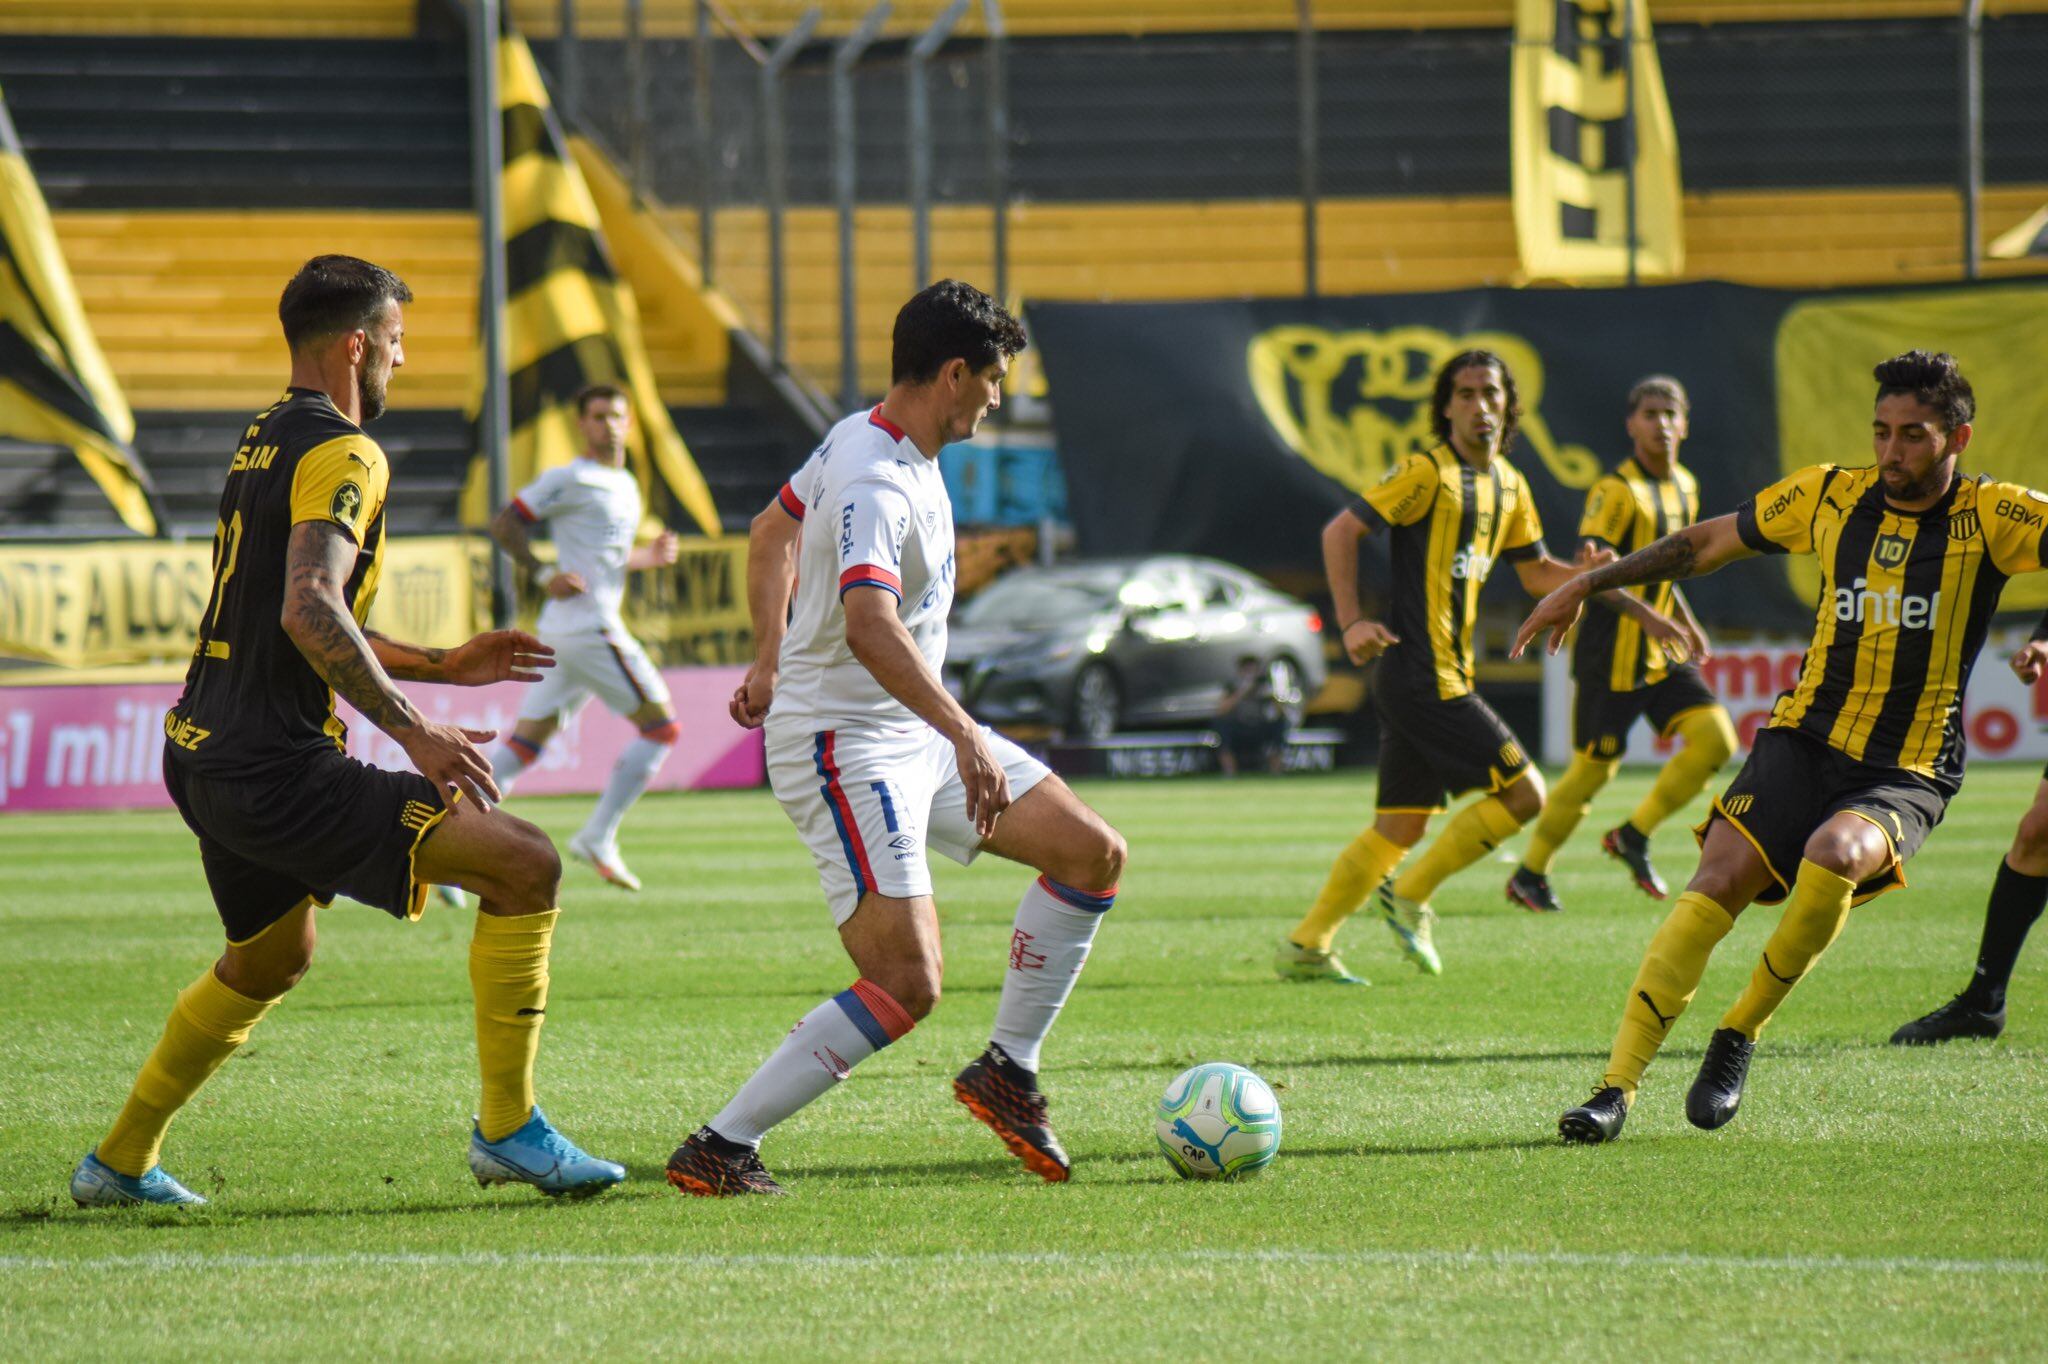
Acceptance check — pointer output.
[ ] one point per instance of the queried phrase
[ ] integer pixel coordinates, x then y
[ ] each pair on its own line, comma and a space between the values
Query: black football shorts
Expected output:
1601, 718
1432, 749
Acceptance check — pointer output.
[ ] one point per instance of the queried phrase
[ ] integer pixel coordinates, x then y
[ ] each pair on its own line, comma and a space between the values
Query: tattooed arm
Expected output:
1698, 549
406, 662
317, 618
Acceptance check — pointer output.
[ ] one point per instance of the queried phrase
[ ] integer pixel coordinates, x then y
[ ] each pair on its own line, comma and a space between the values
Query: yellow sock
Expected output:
206, 1025
1369, 860
1708, 740
1476, 831
1567, 805
1665, 983
1815, 912
508, 970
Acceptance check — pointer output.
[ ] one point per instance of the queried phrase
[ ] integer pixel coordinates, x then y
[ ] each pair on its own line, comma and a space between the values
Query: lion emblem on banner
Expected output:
1354, 403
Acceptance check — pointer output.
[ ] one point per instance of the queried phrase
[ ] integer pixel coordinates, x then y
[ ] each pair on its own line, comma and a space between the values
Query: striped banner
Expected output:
55, 387
571, 321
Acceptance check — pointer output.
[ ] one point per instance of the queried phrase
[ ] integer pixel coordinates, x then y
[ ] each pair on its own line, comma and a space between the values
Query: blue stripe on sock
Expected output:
870, 1026
1080, 899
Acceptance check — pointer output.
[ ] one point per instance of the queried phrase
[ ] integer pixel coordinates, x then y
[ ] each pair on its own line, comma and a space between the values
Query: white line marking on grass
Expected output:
1505, 1259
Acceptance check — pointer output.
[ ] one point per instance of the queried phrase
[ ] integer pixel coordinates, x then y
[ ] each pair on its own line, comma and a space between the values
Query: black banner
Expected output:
1235, 429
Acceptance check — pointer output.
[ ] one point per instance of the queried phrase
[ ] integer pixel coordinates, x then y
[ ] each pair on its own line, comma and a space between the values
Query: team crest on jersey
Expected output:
347, 506
1963, 525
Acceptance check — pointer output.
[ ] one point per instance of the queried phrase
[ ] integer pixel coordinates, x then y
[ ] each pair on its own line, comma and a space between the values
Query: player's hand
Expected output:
1556, 613
1697, 647
2031, 661
448, 756
565, 585
1365, 640
666, 549
1592, 556
1677, 638
497, 656
983, 779
751, 699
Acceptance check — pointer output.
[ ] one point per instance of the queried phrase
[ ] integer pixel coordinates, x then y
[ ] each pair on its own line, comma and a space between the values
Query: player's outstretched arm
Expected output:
882, 645
494, 656
318, 621
772, 541
1542, 574
1362, 638
1689, 553
509, 533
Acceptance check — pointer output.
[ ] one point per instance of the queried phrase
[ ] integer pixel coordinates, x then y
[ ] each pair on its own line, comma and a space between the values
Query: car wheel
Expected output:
1285, 676
1098, 702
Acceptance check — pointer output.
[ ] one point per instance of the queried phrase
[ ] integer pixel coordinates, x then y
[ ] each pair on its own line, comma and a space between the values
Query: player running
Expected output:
1861, 757
1620, 675
1450, 515
254, 759
2018, 894
591, 506
875, 763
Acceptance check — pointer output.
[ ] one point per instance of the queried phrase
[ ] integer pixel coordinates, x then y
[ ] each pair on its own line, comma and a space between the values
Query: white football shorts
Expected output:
609, 663
869, 802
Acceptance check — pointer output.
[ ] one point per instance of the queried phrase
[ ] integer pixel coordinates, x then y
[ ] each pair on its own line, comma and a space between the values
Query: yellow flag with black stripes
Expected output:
571, 321
1572, 89
55, 386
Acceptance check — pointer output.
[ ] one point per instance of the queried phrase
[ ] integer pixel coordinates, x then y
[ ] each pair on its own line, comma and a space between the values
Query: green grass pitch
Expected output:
1869, 1202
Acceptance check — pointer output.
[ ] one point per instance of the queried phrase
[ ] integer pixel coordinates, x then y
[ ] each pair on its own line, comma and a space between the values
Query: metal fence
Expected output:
821, 171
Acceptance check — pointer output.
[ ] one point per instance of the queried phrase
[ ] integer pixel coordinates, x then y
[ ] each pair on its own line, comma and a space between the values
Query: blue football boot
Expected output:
539, 1155
95, 1185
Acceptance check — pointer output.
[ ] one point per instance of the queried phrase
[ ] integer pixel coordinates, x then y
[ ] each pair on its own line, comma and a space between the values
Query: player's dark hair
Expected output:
1935, 380
333, 295
951, 321
593, 392
1446, 380
1658, 386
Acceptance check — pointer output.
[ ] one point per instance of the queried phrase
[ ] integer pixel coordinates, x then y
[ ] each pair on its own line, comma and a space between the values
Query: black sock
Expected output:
2016, 901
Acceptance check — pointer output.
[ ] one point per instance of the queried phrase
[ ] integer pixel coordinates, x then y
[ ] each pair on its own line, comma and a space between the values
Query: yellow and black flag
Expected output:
55, 386
1580, 68
570, 320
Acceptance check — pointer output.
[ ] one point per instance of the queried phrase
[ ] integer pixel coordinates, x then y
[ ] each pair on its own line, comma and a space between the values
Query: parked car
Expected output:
1108, 644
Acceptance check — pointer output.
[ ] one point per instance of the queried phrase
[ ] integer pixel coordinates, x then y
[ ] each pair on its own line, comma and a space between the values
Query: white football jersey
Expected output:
592, 511
875, 512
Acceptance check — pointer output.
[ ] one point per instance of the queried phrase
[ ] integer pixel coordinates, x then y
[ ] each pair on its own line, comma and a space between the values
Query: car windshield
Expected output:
1038, 598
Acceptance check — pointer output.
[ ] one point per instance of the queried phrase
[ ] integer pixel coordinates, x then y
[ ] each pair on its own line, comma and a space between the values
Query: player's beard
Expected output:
370, 390
1936, 480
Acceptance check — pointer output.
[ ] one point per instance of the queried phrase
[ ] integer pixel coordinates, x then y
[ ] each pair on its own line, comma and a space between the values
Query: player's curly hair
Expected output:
951, 321
1936, 380
1511, 422
333, 295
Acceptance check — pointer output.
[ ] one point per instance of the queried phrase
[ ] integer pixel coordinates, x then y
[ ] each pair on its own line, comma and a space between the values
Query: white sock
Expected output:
508, 760
825, 1044
1048, 947
630, 774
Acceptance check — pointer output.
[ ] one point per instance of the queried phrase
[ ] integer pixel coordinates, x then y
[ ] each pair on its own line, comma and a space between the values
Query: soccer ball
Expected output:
1218, 1121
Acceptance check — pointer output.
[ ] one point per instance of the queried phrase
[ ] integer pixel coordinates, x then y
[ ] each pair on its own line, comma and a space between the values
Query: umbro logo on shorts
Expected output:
416, 815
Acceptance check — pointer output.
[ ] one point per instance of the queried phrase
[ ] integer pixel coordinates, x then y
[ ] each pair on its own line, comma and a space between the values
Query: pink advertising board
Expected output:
93, 747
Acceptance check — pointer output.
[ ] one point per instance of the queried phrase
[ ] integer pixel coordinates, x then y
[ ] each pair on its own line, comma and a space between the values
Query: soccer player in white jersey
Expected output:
874, 762
592, 509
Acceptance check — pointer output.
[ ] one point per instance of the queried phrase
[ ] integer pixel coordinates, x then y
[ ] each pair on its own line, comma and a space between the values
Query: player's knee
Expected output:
532, 874
1524, 799
1111, 854
2030, 840
915, 987
1711, 734
1842, 848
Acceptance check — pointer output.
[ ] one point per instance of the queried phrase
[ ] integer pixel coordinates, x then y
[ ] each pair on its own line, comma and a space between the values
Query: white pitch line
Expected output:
1192, 1259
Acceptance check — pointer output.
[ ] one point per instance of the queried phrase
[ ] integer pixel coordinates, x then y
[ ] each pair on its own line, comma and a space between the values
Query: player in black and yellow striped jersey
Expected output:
1619, 674
1860, 758
1449, 516
255, 760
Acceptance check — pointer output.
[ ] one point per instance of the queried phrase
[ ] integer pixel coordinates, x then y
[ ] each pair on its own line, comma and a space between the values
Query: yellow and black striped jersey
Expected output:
1906, 599
251, 699
1627, 509
1447, 524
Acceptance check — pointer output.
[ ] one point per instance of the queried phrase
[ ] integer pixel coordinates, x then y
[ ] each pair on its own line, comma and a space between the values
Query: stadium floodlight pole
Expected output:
1309, 97
638, 115
1628, 130
569, 63
996, 59
845, 57
1972, 56
707, 201
487, 158
775, 151
921, 52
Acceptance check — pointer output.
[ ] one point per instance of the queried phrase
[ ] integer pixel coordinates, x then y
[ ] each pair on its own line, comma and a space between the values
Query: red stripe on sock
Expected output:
894, 1019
